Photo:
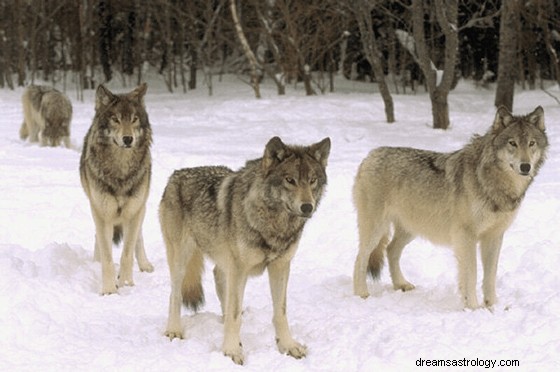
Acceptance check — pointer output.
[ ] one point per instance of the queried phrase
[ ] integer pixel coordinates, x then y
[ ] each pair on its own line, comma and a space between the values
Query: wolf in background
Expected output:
115, 171
456, 199
46, 116
245, 221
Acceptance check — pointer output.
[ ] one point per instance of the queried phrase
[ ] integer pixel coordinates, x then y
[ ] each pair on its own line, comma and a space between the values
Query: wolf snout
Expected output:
525, 168
306, 209
127, 140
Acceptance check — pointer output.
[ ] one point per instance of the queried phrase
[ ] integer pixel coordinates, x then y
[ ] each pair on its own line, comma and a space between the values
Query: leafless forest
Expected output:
401, 45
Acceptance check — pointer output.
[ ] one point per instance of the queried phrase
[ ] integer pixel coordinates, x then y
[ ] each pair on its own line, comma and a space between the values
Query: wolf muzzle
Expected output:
127, 141
306, 209
524, 169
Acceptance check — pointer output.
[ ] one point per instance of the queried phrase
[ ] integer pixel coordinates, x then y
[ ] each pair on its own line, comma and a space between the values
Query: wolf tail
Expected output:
377, 258
117, 234
192, 291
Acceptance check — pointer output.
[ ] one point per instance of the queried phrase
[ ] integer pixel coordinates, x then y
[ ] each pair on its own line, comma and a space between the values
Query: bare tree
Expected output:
269, 28
362, 12
253, 63
509, 22
438, 86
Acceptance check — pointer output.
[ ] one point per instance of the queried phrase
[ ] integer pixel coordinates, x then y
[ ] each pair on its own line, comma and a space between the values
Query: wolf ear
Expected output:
537, 118
502, 120
320, 151
274, 152
139, 92
103, 97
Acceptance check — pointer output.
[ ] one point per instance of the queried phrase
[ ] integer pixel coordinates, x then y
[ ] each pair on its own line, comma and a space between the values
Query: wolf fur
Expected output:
245, 221
46, 116
455, 199
115, 171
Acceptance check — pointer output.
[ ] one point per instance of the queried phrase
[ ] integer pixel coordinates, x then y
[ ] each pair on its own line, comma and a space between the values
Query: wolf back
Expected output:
455, 199
47, 115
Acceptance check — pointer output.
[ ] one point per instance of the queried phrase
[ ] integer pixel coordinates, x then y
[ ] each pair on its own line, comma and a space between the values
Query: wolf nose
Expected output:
127, 140
525, 168
306, 208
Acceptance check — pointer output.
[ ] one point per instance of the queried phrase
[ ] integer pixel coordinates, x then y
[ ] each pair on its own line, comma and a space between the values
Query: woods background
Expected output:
400, 45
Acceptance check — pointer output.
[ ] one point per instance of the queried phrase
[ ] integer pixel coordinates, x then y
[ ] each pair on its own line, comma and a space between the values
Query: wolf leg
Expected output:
400, 239
278, 274
219, 281
96, 249
143, 262
66, 142
34, 130
489, 253
131, 230
465, 253
23, 131
236, 280
104, 247
369, 240
178, 256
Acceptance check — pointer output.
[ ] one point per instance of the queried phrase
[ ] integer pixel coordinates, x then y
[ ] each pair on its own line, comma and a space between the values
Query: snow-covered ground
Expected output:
53, 318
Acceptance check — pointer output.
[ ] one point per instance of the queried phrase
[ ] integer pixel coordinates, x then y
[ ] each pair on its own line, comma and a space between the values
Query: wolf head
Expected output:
122, 118
520, 141
296, 175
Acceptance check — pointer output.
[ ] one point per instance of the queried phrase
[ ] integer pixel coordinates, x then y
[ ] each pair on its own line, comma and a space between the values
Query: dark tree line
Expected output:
399, 44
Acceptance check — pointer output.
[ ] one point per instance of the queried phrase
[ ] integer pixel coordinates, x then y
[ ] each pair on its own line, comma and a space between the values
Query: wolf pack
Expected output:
250, 220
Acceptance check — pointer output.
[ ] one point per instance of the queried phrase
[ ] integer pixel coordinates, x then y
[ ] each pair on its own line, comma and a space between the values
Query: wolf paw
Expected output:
146, 267
235, 353
406, 286
108, 289
362, 292
293, 349
125, 282
174, 334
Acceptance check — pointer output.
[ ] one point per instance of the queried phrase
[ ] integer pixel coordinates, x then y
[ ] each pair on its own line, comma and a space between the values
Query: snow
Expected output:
52, 317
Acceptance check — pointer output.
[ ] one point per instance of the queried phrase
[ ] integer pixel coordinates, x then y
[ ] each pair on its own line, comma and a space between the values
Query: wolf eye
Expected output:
134, 119
531, 143
114, 119
290, 180
512, 143
313, 181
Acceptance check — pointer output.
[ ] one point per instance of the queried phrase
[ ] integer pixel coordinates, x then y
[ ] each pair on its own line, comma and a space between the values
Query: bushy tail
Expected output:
192, 291
117, 234
377, 258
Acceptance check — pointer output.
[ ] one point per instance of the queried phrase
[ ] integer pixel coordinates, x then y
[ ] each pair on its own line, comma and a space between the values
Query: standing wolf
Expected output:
115, 170
457, 199
46, 116
245, 221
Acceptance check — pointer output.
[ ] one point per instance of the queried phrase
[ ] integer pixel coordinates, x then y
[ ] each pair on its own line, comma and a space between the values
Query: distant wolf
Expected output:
245, 221
456, 199
115, 171
46, 116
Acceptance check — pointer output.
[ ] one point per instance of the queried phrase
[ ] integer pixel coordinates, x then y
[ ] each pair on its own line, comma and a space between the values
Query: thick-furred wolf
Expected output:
46, 116
245, 221
456, 199
115, 170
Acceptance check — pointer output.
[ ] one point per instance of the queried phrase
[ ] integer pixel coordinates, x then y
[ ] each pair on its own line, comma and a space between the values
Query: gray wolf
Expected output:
115, 171
456, 199
46, 116
245, 221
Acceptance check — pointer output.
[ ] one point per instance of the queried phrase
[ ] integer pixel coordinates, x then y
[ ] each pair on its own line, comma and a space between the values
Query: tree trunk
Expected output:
255, 76
508, 54
446, 15
18, 20
362, 12
105, 38
440, 110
